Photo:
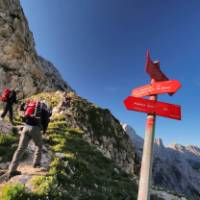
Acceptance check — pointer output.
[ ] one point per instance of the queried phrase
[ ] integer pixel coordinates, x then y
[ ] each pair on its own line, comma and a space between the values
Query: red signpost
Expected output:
157, 88
153, 69
153, 107
159, 84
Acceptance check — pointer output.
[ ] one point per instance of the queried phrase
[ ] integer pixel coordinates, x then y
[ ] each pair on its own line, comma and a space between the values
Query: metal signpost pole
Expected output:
146, 166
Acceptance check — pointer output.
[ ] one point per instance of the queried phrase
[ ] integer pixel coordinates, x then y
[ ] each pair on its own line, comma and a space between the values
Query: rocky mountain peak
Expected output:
194, 149
128, 128
177, 147
20, 65
159, 142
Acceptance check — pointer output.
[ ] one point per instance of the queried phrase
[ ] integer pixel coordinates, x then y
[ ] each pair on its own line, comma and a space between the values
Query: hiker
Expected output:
8, 98
34, 114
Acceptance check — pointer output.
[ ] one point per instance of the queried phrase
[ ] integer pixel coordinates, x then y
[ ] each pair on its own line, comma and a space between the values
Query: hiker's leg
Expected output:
37, 139
5, 110
23, 143
10, 109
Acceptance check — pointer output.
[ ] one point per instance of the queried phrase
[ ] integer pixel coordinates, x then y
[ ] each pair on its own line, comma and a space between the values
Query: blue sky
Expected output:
99, 47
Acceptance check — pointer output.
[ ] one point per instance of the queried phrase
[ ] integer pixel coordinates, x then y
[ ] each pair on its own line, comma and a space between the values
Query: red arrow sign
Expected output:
157, 88
153, 69
153, 107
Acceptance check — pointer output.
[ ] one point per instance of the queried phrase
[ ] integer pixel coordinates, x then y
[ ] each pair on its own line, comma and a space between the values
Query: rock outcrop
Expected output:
102, 129
20, 65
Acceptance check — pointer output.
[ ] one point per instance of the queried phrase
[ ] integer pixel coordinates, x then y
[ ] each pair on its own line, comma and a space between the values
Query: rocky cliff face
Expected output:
20, 65
175, 167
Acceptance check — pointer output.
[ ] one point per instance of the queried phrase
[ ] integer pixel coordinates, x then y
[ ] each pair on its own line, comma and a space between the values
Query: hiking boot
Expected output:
14, 173
40, 168
36, 165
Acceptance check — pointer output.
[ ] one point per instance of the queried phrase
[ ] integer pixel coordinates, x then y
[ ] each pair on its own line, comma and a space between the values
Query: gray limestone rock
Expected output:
20, 65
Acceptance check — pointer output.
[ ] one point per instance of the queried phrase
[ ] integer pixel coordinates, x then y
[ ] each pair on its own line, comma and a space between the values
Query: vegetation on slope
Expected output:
78, 170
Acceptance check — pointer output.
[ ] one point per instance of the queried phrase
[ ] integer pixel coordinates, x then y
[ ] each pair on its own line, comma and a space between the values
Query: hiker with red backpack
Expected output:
33, 117
8, 98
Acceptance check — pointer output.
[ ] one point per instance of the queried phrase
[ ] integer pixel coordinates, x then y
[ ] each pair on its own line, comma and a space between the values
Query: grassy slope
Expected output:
80, 172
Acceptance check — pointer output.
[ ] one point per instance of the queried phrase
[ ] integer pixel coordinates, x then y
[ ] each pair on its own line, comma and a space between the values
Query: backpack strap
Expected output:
36, 109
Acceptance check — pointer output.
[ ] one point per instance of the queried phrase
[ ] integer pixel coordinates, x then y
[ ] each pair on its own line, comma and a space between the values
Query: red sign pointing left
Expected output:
153, 107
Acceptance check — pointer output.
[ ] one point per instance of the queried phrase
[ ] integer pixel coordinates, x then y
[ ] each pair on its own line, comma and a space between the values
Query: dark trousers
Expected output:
8, 108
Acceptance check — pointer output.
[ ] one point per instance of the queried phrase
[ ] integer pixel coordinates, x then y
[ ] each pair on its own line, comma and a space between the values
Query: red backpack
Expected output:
32, 108
5, 94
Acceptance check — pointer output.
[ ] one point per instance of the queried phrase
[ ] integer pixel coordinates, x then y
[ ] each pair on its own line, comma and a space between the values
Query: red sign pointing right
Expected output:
157, 88
153, 107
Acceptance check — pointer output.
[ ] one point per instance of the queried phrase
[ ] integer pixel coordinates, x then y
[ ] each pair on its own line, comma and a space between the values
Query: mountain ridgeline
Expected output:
176, 168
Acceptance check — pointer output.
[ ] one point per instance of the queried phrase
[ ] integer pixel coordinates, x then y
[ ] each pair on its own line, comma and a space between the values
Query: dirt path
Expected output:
28, 172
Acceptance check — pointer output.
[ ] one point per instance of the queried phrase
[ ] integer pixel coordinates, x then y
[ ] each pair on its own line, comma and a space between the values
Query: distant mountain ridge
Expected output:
175, 167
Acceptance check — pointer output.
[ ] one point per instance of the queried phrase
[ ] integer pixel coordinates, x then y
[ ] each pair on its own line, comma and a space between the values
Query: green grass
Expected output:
8, 144
51, 97
14, 192
84, 171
